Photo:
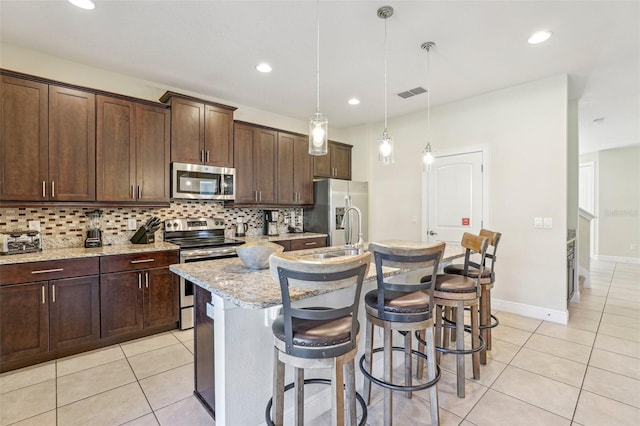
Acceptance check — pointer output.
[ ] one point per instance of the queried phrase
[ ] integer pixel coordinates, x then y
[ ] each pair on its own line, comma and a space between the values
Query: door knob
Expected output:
433, 233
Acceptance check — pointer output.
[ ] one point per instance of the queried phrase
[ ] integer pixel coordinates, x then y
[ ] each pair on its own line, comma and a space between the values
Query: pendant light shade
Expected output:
318, 124
385, 149
427, 152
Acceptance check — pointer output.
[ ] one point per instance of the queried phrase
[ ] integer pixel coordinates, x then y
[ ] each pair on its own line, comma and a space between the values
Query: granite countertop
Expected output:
251, 289
280, 237
80, 252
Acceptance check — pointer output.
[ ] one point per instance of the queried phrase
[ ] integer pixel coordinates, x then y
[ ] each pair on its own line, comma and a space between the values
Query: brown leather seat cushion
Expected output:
458, 269
399, 302
316, 333
455, 283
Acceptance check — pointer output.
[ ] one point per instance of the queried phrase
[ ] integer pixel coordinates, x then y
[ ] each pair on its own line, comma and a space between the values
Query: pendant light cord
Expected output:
318, 56
428, 96
385, 75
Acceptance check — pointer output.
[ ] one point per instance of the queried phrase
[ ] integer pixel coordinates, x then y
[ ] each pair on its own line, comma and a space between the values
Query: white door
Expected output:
454, 197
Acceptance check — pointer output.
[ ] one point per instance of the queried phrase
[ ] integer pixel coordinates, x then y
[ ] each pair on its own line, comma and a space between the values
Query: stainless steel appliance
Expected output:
94, 234
270, 222
20, 241
195, 181
199, 239
331, 198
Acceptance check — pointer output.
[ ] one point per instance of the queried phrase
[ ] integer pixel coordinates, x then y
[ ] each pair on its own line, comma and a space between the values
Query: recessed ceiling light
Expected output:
539, 37
353, 101
264, 67
83, 4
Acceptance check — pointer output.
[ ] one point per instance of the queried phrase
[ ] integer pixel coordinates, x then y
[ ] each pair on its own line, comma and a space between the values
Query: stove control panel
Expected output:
194, 224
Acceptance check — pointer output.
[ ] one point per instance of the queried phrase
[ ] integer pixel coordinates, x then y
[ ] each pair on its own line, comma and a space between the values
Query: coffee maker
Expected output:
270, 222
94, 235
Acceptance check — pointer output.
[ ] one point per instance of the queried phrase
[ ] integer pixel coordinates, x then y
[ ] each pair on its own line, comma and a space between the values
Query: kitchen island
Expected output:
235, 308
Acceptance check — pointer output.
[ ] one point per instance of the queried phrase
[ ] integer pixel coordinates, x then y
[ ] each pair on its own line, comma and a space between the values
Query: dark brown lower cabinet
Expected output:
121, 303
48, 315
204, 351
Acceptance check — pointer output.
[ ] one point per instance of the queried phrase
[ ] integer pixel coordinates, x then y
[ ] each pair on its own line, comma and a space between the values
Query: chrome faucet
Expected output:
347, 232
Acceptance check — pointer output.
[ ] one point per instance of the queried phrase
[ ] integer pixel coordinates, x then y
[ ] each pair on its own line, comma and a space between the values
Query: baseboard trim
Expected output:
560, 317
619, 259
587, 277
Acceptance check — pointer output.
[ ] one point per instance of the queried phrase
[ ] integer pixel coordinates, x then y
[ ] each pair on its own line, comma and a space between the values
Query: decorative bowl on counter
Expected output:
255, 255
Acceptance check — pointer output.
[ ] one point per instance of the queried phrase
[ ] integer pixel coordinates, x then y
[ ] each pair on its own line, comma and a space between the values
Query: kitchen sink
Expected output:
331, 254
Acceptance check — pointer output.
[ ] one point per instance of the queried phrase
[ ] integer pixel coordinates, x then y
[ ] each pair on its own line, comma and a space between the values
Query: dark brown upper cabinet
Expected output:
255, 152
295, 170
51, 131
132, 151
201, 131
336, 164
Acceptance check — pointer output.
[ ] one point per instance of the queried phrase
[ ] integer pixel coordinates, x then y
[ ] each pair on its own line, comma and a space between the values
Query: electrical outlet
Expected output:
34, 225
132, 225
548, 223
414, 219
537, 222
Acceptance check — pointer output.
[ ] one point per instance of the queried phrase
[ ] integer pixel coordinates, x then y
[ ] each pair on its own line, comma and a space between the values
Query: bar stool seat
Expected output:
317, 337
405, 304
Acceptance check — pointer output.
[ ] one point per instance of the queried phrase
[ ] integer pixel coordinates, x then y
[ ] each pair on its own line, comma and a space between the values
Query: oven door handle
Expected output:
185, 257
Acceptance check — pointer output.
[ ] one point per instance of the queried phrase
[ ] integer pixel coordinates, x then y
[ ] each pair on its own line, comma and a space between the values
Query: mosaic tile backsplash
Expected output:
66, 227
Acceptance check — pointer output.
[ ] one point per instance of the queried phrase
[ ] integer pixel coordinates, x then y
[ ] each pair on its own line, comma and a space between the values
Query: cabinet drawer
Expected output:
48, 270
308, 243
132, 262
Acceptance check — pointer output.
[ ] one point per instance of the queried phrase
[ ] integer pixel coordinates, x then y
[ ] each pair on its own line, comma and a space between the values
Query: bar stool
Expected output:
405, 304
460, 291
317, 337
488, 278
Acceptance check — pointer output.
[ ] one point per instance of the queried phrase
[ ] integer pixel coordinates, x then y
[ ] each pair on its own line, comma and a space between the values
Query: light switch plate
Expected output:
537, 222
132, 225
548, 223
34, 225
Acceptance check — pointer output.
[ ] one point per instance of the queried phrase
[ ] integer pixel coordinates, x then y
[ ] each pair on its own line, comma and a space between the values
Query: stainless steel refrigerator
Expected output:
331, 197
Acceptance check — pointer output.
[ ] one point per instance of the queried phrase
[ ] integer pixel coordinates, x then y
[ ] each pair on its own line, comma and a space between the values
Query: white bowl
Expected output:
255, 255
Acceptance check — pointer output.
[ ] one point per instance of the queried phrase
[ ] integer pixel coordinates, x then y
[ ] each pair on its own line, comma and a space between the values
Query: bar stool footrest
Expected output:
399, 388
363, 405
463, 351
493, 324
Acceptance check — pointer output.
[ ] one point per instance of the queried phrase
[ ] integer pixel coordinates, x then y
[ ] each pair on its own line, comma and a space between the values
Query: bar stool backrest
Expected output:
494, 239
474, 244
406, 258
328, 275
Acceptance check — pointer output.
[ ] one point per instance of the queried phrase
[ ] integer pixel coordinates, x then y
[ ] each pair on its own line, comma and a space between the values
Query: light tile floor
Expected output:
538, 373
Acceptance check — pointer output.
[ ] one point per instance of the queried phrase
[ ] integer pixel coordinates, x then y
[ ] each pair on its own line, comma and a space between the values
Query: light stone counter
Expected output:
243, 305
80, 252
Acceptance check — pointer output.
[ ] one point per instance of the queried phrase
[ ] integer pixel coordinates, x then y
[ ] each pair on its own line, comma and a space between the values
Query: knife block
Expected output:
142, 236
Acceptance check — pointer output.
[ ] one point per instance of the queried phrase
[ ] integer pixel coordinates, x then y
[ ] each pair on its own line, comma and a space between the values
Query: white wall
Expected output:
42, 65
525, 128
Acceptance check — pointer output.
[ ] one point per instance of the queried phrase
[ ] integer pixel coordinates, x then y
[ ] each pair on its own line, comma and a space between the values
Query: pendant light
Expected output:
427, 153
385, 154
318, 124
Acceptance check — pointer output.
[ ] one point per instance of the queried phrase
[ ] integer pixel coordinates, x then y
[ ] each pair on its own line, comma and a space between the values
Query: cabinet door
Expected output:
302, 171
24, 320
187, 131
265, 167
322, 165
308, 243
120, 303
72, 145
244, 160
218, 136
341, 158
152, 153
74, 311
286, 190
160, 297
204, 360
23, 140
115, 150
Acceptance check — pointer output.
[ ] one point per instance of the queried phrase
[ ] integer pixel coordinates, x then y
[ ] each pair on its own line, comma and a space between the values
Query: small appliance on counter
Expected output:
270, 222
241, 228
19, 241
94, 234
145, 234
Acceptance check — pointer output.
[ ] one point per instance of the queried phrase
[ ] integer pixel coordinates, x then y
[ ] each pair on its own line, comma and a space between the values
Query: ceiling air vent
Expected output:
412, 92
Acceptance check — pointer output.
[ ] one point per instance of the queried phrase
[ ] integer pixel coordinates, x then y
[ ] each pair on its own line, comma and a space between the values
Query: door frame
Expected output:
486, 178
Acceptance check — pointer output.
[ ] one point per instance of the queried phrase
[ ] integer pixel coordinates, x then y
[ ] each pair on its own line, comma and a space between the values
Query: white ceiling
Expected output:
212, 47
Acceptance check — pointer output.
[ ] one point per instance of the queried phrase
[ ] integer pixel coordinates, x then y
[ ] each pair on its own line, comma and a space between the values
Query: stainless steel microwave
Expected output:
198, 182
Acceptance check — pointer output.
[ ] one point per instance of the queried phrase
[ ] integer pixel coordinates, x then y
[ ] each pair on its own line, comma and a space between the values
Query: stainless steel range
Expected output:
199, 239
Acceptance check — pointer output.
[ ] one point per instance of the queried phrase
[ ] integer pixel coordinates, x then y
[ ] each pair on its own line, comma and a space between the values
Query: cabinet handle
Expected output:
43, 296
313, 243
256, 195
44, 189
202, 156
207, 156
139, 192
131, 192
146, 279
53, 189
260, 192
53, 293
45, 271
133, 262
139, 280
